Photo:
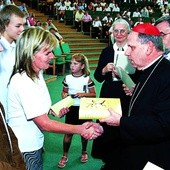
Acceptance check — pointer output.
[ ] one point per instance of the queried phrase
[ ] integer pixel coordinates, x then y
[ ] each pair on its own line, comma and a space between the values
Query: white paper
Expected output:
151, 166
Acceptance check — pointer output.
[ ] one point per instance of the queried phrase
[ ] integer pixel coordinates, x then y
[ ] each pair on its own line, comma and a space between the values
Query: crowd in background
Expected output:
31, 19
95, 17
85, 13
144, 46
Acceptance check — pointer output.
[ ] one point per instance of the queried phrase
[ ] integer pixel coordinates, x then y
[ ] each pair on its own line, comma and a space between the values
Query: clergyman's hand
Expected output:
113, 119
127, 91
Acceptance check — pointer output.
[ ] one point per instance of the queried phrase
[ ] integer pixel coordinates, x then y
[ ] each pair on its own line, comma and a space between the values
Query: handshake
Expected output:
91, 130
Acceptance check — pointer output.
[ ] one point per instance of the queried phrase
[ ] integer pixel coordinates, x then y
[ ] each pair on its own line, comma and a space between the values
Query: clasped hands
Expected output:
91, 130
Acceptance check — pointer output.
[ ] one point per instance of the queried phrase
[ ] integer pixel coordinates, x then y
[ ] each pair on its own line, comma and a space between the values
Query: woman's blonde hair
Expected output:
81, 58
28, 44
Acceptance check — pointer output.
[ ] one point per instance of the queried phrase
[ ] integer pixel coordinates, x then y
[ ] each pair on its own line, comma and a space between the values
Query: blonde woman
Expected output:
29, 100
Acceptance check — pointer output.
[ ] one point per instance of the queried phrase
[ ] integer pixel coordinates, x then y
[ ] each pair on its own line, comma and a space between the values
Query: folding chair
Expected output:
67, 53
58, 60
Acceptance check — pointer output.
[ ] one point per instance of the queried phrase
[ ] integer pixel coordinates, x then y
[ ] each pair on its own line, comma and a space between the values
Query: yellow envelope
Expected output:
66, 102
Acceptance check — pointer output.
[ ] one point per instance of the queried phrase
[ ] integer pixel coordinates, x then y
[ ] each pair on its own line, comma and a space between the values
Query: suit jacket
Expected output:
146, 132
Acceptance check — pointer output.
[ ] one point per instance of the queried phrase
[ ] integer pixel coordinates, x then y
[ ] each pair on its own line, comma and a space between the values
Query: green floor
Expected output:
53, 142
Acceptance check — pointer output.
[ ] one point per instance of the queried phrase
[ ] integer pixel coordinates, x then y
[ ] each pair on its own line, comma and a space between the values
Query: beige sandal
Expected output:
62, 162
84, 157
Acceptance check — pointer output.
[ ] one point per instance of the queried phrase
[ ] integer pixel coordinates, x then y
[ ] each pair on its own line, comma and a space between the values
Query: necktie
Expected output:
120, 49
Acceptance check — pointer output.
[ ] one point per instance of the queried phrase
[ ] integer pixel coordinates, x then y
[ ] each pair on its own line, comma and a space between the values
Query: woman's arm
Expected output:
89, 130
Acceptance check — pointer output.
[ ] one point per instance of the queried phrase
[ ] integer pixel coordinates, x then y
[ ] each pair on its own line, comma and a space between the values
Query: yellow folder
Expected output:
97, 108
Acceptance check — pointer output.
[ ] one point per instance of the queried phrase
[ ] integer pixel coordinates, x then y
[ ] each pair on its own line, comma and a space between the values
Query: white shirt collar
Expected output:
115, 47
5, 44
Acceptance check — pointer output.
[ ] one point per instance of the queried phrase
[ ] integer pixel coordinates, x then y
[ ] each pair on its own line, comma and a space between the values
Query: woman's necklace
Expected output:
133, 100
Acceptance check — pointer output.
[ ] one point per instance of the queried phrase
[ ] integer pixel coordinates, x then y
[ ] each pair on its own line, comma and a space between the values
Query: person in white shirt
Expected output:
118, 16
112, 4
103, 3
97, 22
10, 155
57, 4
71, 8
136, 13
67, 3
107, 18
14, 21
96, 27
127, 13
98, 7
62, 10
107, 22
95, 4
116, 8
29, 100
144, 12
107, 8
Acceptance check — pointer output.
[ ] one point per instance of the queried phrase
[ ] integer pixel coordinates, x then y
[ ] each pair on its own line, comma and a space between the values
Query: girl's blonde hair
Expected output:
28, 44
81, 58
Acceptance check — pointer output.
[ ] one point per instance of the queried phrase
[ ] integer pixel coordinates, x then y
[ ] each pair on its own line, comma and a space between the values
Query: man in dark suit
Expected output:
145, 132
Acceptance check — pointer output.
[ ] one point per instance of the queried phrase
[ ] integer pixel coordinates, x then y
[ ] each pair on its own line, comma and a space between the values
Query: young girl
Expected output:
78, 84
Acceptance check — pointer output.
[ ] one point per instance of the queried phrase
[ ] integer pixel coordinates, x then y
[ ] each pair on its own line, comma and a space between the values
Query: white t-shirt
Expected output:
97, 23
112, 5
27, 99
99, 9
62, 8
77, 85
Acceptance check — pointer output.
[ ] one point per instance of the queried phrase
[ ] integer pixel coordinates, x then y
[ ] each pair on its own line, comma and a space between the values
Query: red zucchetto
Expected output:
147, 28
